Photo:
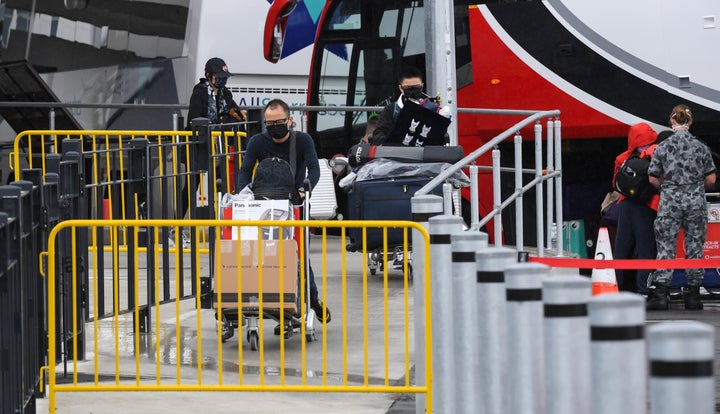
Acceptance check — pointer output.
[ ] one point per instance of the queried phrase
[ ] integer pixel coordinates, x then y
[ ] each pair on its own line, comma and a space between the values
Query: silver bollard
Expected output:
567, 344
618, 358
464, 302
492, 326
441, 227
681, 367
423, 207
523, 282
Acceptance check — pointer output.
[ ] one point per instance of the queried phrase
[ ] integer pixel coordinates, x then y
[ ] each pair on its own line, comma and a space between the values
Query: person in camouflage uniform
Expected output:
681, 168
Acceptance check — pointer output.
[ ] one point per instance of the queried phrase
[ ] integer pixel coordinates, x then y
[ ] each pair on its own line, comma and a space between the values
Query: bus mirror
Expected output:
275, 26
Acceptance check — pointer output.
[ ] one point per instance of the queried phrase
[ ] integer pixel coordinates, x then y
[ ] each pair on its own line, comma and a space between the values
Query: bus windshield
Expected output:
360, 49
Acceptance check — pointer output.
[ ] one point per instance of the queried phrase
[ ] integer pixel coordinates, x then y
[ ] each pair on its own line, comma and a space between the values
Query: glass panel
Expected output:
411, 32
333, 85
374, 85
346, 16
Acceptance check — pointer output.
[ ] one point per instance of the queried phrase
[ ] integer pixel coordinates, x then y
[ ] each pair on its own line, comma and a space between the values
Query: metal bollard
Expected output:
525, 338
467, 359
423, 207
492, 326
441, 227
681, 367
618, 358
567, 344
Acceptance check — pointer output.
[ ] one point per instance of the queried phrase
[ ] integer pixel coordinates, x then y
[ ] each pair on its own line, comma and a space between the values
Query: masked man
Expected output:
412, 120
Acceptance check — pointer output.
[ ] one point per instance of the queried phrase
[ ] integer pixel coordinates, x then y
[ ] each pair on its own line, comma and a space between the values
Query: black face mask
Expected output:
220, 82
413, 92
277, 131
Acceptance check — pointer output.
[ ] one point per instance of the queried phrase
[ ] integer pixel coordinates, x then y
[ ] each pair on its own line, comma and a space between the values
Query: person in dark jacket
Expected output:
275, 141
210, 97
411, 88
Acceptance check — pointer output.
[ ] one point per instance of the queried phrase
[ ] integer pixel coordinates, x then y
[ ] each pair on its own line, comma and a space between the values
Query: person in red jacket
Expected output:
635, 232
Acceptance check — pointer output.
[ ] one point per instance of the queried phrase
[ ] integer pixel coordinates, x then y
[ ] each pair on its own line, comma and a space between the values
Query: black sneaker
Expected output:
317, 306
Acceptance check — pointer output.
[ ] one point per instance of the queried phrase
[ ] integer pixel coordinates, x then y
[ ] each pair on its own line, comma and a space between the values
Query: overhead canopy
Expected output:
19, 82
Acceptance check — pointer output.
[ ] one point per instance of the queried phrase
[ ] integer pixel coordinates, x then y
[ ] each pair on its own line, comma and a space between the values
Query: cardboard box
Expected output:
258, 210
240, 259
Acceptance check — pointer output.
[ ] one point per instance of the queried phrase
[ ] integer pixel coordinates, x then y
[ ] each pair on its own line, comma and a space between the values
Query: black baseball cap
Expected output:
217, 67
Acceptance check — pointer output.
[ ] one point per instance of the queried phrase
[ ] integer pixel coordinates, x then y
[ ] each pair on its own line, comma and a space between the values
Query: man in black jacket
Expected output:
411, 86
276, 141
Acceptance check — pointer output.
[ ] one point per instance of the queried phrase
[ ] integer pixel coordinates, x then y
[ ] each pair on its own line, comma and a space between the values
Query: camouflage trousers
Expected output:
667, 228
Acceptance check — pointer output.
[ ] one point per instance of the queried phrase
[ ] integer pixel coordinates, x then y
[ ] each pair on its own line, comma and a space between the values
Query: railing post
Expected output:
466, 333
492, 325
10, 386
550, 168
441, 227
200, 164
519, 237
540, 224
79, 202
33, 329
474, 197
14, 203
51, 217
558, 188
681, 367
423, 208
497, 198
70, 185
135, 194
567, 344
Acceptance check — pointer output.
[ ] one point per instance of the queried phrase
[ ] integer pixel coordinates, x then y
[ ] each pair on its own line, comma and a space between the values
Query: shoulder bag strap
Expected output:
293, 154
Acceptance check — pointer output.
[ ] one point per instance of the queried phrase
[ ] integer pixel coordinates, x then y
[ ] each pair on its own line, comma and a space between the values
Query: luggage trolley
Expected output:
250, 312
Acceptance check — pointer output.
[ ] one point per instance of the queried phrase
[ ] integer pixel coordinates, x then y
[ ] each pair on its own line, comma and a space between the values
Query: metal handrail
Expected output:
541, 176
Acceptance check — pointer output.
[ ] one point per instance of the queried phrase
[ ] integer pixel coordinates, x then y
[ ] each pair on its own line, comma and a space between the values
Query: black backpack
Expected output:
632, 179
274, 177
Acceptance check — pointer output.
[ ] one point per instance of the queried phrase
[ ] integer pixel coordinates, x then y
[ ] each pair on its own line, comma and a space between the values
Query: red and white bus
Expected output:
604, 65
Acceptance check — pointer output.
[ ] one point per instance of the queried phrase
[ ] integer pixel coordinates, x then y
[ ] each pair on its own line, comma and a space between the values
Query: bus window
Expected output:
408, 28
346, 16
360, 49
364, 78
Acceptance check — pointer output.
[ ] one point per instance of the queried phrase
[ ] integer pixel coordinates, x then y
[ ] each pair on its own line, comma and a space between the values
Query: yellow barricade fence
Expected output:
106, 152
366, 348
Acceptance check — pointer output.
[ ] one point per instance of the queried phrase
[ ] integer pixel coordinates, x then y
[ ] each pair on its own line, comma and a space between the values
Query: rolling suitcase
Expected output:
387, 199
323, 204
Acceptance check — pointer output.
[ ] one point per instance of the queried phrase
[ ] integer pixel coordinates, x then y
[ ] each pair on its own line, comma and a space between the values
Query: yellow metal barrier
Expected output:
366, 349
30, 149
109, 164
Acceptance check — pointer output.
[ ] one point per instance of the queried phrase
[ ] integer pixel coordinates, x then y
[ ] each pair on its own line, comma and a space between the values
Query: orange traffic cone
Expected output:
603, 280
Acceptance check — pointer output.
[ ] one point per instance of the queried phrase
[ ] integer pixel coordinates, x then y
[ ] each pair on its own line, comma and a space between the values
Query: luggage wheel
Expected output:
228, 329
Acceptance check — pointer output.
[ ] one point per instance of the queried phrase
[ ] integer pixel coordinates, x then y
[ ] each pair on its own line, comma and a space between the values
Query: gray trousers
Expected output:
667, 228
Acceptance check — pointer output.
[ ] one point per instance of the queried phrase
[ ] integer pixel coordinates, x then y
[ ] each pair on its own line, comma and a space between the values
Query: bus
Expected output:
605, 65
